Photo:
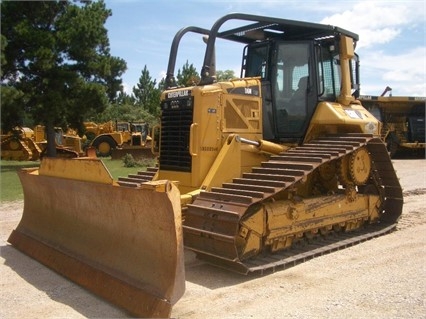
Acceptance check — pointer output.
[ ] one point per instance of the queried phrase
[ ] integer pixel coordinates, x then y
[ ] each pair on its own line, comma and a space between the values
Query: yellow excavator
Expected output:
255, 174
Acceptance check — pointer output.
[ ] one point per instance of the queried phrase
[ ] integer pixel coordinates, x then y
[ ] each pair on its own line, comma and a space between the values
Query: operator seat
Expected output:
297, 103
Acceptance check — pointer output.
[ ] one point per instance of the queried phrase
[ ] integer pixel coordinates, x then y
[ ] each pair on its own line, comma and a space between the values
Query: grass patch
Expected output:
117, 168
10, 186
11, 189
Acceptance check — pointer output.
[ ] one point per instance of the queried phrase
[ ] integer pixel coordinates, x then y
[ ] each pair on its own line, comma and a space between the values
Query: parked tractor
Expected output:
121, 138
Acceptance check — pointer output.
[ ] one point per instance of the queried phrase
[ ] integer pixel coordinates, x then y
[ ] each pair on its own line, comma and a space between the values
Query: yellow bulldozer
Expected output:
19, 145
68, 144
403, 119
254, 174
25, 144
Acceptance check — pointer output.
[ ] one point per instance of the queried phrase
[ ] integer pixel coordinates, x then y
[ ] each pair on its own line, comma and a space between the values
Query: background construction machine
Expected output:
403, 119
20, 145
25, 144
276, 159
120, 138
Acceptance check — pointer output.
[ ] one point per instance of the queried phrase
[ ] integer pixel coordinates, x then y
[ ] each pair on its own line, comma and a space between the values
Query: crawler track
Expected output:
290, 257
211, 226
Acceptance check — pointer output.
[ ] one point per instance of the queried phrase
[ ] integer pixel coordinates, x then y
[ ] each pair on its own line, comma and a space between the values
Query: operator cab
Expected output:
296, 75
299, 64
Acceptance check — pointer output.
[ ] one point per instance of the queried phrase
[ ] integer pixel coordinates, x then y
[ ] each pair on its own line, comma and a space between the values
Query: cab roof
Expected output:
264, 28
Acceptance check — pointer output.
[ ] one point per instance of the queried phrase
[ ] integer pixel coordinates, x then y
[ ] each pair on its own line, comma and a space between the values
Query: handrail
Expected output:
193, 139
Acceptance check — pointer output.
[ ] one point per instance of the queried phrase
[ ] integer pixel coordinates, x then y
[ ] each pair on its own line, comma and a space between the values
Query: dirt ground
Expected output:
380, 278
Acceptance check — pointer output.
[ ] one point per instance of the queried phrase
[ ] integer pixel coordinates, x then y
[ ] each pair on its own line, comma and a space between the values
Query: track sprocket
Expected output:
360, 166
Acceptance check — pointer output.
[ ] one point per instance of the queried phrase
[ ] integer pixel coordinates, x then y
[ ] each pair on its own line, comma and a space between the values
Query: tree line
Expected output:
57, 69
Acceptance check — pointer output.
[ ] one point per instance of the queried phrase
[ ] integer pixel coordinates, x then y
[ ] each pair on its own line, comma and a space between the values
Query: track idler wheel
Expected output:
360, 166
355, 168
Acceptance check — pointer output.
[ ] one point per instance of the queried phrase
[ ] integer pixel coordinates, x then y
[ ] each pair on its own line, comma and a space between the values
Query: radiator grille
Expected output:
176, 121
417, 128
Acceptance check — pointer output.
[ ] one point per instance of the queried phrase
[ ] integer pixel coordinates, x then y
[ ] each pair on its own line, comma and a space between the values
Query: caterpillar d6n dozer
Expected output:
273, 168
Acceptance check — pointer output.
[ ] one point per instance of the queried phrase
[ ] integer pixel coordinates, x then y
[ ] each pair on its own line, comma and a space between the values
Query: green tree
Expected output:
225, 75
124, 98
125, 109
12, 102
162, 85
146, 94
58, 56
12, 108
188, 76
2, 56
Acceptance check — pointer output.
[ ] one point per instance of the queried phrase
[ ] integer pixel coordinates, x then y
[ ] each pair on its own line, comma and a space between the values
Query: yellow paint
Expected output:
83, 169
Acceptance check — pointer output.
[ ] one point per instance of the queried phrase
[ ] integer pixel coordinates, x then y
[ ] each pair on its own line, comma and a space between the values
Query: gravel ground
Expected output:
382, 278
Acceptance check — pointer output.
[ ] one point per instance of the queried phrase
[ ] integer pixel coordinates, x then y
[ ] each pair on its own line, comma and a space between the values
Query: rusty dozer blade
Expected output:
124, 244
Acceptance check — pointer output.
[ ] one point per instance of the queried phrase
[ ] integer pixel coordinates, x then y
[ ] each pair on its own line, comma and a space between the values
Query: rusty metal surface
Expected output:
107, 239
212, 221
135, 180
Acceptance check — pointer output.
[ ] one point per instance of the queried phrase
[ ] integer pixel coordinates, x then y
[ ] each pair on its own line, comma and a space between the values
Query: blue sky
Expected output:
392, 45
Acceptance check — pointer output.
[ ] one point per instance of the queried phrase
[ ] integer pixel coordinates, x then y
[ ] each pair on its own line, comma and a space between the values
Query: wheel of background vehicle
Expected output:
90, 136
392, 148
392, 144
104, 145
